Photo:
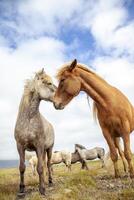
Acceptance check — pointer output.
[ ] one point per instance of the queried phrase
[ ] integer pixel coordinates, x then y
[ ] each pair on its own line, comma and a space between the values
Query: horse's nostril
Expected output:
58, 105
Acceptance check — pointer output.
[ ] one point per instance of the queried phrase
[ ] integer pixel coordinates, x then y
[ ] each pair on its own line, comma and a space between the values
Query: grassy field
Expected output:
95, 184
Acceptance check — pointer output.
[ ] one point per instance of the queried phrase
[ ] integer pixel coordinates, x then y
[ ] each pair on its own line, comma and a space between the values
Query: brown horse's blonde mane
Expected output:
66, 67
61, 71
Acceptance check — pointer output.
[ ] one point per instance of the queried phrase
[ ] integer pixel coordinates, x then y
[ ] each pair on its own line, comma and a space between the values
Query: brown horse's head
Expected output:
69, 85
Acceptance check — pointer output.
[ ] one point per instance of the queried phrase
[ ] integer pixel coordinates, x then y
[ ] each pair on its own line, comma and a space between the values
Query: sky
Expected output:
44, 33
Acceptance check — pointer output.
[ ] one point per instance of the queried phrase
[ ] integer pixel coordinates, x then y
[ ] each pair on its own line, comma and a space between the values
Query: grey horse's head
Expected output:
44, 86
79, 146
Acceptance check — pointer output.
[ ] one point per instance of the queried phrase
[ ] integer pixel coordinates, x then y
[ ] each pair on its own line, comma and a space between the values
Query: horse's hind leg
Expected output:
128, 154
49, 155
113, 151
84, 165
40, 170
121, 153
102, 160
22, 167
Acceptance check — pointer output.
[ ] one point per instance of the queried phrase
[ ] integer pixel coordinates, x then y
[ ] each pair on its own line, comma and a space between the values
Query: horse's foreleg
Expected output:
69, 167
40, 170
113, 151
34, 170
84, 165
49, 155
21, 167
128, 154
121, 153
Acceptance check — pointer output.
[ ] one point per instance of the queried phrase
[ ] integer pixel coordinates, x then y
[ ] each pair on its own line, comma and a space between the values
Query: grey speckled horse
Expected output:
89, 154
32, 131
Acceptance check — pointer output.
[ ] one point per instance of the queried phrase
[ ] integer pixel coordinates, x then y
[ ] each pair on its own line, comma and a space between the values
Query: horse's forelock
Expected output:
61, 72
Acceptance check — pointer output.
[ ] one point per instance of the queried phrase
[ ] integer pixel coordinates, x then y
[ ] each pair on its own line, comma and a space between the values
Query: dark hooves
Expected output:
21, 194
132, 176
42, 191
51, 184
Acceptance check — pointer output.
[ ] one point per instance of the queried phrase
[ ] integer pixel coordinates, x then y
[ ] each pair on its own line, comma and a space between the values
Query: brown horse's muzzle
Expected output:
58, 106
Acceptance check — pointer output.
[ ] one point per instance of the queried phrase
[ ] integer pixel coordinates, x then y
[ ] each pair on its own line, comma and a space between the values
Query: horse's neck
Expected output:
29, 106
94, 86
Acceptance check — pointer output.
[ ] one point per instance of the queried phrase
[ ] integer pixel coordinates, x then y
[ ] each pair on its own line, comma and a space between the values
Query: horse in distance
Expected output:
90, 154
32, 131
62, 157
33, 163
114, 111
56, 158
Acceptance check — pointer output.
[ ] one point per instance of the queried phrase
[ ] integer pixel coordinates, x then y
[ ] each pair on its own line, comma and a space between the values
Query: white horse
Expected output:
33, 163
90, 154
62, 156
57, 158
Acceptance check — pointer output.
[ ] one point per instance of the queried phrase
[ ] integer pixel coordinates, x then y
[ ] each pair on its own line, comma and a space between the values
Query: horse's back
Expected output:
91, 154
66, 154
56, 157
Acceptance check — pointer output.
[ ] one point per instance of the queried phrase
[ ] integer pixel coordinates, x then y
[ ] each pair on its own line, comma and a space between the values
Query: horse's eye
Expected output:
62, 81
49, 83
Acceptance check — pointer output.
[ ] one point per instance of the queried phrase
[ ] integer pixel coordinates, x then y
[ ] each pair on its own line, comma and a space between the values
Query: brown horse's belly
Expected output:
112, 124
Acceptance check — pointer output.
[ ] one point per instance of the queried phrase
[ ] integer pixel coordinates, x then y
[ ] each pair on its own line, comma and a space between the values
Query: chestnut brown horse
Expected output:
114, 111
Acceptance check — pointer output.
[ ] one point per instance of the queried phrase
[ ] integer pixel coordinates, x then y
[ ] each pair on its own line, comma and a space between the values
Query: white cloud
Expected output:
34, 18
110, 27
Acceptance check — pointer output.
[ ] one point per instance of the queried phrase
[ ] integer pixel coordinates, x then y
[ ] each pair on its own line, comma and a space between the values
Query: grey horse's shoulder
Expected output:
46, 124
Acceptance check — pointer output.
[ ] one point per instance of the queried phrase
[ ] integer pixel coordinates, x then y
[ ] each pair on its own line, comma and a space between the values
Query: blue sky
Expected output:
36, 33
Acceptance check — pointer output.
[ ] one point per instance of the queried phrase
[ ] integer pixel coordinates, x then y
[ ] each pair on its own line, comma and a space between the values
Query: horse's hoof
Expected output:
51, 184
21, 194
132, 176
117, 176
42, 191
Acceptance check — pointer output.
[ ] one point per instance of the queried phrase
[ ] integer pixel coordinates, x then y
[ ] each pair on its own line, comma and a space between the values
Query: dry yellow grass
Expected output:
95, 184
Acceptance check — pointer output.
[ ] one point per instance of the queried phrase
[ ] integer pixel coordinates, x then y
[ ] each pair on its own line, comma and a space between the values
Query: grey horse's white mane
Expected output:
80, 146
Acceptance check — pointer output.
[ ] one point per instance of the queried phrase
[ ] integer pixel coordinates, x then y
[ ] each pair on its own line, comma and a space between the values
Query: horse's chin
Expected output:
48, 99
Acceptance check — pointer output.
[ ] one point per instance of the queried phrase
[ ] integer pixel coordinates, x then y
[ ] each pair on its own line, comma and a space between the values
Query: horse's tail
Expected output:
95, 111
101, 153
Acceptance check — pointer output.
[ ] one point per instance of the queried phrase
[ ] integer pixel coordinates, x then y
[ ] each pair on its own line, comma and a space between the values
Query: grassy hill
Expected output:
95, 184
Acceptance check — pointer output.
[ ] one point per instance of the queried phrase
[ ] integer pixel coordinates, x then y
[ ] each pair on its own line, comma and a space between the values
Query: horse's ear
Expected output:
42, 71
37, 75
73, 65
